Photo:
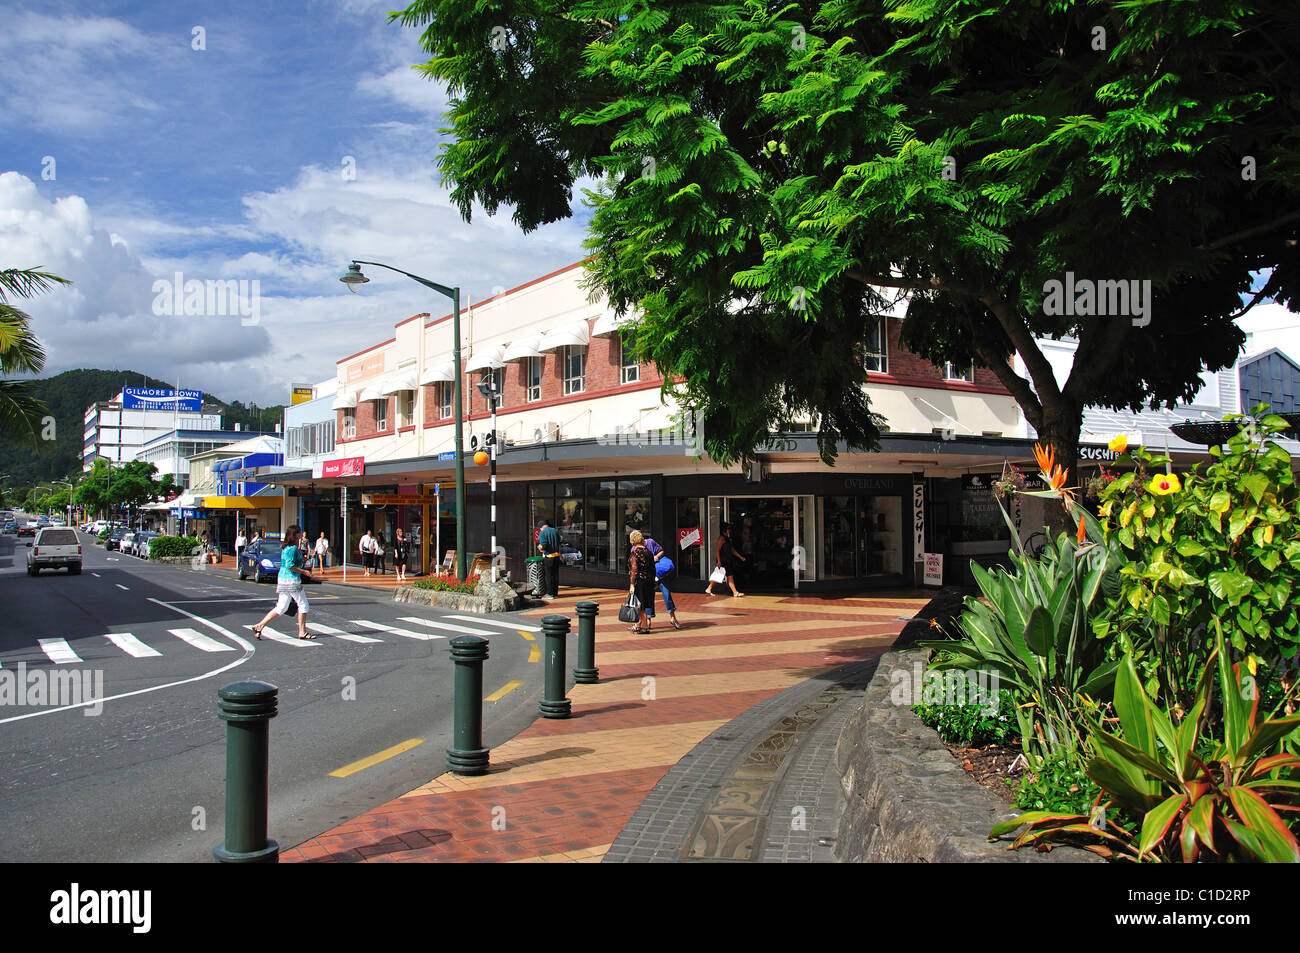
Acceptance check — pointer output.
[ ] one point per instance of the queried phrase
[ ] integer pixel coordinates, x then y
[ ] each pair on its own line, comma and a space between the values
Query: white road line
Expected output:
200, 641
405, 633
339, 633
246, 646
505, 625
132, 646
120, 586
274, 636
445, 625
59, 651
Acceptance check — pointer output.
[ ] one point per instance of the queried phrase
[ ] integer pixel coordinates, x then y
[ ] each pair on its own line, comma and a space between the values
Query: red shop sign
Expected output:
347, 467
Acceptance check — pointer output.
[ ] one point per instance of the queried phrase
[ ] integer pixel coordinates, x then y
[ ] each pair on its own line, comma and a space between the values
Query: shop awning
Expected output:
439, 372
398, 384
371, 393
486, 359
572, 335
230, 503
522, 350
608, 324
344, 402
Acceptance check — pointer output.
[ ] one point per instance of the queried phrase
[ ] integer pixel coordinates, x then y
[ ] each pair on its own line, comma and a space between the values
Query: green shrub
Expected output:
446, 583
971, 725
164, 547
1059, 784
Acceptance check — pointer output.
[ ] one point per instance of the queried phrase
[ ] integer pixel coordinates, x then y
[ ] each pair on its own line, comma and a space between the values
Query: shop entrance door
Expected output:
773, 533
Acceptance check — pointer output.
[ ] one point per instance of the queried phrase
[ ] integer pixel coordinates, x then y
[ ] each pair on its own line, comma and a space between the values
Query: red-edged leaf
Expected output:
1201, 819
1187, 841
1158, 821
1277, 840
1264, 765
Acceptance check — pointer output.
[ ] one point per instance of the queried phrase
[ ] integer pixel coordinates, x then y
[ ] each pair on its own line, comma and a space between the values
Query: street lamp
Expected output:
354, 279
487, 387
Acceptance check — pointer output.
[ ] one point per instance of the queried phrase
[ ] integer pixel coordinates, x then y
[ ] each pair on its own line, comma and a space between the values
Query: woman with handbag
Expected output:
665, 572
288, 586
641, 580
724, 563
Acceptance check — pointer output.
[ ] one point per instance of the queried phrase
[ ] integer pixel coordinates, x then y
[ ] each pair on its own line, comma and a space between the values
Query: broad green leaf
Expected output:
1038, 632
1278, 843
1231, 586
1158, 820
1134, 709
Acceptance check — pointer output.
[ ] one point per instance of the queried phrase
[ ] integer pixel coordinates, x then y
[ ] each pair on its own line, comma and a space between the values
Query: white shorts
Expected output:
283, 597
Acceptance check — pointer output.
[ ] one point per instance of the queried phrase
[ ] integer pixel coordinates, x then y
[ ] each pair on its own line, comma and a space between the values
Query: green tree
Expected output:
771, 174
92, 492
21, 414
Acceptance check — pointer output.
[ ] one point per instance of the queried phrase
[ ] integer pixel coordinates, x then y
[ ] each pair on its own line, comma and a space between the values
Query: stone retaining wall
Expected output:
906, 798
488, 597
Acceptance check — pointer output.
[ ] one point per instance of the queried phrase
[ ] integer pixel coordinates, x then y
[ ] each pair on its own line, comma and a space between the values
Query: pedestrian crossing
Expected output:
359, 632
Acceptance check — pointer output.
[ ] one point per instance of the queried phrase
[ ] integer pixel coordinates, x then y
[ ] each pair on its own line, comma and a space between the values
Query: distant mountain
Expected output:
67, 396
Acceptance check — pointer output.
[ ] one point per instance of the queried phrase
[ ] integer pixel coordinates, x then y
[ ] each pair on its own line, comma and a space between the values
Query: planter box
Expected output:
486, 598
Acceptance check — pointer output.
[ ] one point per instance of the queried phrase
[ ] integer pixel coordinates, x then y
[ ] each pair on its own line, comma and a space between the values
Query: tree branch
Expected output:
1248, 233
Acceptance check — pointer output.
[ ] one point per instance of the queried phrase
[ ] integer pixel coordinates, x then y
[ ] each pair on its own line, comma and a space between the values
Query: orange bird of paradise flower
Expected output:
1083, 532
1046, 458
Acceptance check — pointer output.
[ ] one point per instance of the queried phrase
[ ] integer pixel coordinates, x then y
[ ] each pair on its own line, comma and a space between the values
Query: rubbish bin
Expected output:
533, 567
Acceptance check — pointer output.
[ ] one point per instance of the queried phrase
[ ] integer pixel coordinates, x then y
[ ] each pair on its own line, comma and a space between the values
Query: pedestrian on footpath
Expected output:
288, 585
724, 563
240, 542
323, 552
379, 553
401, 550
367, 548
548, 544
665, 572
641, 580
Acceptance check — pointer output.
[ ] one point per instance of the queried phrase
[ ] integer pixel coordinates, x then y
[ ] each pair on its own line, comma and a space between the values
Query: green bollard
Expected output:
247, 709
586, 672
554, 704
467, 754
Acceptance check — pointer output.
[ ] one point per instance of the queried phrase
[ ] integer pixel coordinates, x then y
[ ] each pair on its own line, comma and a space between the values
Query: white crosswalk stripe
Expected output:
201, 641
320, 629
444, 625
513, 627
274, 636
132, 646
59, 651
405, 633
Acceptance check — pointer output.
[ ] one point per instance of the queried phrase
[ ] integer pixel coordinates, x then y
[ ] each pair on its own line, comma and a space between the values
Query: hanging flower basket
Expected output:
1207, 433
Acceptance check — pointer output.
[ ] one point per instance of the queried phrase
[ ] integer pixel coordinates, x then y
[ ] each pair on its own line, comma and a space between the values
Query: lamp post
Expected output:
487, 387
354, 279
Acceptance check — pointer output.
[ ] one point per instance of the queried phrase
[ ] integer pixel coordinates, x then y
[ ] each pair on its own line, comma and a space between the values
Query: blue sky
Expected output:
296, 139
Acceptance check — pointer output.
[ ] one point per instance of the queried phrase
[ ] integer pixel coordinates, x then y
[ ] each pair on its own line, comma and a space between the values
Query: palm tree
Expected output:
21, 352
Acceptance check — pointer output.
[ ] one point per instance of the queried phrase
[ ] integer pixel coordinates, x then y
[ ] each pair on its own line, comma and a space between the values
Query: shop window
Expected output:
349, 424
630, 371
633, 513
874, 356
405, 407
956, 372
381, 415
598, 509
575, 369
444, 399
690, 560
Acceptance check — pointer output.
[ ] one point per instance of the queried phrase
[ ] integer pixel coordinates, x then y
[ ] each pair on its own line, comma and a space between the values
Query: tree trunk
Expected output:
1060, 431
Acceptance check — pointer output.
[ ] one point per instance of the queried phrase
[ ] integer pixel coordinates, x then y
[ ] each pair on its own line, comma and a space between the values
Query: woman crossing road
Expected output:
288, 585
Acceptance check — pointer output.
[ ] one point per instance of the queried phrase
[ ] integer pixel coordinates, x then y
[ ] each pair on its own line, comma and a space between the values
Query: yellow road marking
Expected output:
503, 691
527, 635
350, 769
536, 654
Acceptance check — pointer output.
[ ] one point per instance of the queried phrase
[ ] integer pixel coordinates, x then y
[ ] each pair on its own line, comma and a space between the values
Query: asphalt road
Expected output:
144, 778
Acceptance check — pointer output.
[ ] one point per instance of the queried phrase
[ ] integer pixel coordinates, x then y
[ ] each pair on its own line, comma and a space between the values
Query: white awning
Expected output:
344, 401
486, 359
521, 350
572, 335
439, 372
371, 393
608, 324
398, 384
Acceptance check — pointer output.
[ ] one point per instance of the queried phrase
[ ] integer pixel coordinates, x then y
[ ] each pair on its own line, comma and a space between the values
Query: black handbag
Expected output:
630, 611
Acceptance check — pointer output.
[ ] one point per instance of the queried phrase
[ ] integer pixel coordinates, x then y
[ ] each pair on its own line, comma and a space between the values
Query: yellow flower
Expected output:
1119, 444
1164, 483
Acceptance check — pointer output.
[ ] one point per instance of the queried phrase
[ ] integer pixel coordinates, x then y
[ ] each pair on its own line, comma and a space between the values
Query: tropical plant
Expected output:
1057, 784
446, 583
21, 414
1223, 545
973, 724
1225, 795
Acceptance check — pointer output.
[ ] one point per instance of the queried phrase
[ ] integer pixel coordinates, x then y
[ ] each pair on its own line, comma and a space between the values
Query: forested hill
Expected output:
67, 396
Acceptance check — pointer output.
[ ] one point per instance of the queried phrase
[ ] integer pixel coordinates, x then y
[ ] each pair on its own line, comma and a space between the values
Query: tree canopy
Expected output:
765, 176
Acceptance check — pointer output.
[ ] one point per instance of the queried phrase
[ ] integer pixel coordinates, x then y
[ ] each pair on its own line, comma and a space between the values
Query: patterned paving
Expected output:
562, 791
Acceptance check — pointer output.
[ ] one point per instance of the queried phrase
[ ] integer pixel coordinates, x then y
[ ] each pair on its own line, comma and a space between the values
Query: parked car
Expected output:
127, 543
9, 526
140, 545
260, 560
114, 540
54, 547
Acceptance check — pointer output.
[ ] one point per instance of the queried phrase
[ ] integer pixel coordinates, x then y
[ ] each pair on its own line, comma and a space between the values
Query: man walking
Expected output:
548, 544
367, 547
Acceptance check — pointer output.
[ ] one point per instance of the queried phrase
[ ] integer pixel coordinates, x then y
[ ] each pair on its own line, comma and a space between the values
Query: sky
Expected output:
234, 141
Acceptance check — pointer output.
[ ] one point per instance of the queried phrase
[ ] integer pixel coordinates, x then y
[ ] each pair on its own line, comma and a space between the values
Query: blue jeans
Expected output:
668, 598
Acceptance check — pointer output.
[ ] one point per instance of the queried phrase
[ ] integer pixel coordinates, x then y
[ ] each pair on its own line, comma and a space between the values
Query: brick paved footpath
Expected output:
564, 789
